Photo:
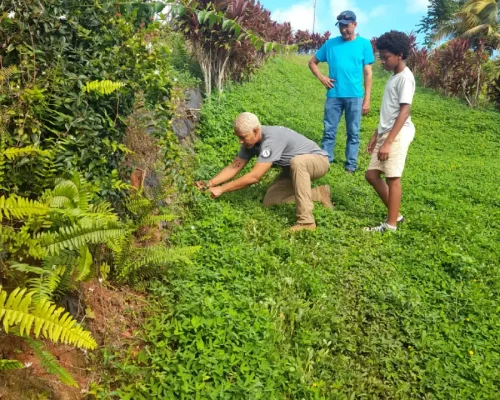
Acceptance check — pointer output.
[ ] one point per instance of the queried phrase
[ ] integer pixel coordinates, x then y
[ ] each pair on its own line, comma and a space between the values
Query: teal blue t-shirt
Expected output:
346, 60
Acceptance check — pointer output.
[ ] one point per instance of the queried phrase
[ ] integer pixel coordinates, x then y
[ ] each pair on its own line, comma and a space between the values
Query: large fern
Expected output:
134, 261
50, 364
41, 319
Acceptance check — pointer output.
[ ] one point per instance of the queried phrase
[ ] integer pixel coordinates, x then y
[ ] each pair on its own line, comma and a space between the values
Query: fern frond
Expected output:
65, 194
139, 205
44, 318
159, 256
102, 208
102, 87
50, 364
12, 153
28, 269
6, 73
74, 237
7, 365
154, 220
45, 285
83, 190
19, 207
85, 262
20, 240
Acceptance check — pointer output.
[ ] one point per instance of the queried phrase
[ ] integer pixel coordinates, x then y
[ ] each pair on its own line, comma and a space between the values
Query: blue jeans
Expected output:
334, 107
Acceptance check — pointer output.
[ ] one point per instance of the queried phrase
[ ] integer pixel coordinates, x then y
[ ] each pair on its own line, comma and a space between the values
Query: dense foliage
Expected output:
50, 53
454, 69
335, 313
72, 76
462, 66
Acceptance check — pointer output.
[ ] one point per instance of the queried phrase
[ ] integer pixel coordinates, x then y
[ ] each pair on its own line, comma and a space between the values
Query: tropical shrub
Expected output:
230, 39
494, 84
49, 95
453, 69
308, 42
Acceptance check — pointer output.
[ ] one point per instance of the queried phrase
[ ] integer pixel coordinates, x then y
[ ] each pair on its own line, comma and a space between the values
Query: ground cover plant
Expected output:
336, 313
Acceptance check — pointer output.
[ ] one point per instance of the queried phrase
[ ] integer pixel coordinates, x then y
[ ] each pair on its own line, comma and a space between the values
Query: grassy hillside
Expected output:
336, 313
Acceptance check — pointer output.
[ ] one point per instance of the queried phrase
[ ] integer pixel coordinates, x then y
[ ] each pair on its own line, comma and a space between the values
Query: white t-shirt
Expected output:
399, 89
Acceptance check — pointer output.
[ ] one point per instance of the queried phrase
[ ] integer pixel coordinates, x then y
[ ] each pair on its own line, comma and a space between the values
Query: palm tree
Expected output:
476, 20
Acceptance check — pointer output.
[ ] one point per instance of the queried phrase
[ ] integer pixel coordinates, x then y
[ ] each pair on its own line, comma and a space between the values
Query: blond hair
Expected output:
246, 122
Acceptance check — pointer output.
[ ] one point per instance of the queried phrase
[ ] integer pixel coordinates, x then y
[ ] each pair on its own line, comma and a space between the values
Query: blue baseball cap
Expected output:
346, 17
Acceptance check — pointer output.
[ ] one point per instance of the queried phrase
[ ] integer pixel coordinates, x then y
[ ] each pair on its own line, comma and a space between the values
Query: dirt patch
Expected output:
112, 315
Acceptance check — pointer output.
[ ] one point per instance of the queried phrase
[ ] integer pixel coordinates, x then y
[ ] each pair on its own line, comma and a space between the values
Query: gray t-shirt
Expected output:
399, 89
279, 145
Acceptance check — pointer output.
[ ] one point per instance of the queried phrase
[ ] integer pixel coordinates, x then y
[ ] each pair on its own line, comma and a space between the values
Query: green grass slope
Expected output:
336, 313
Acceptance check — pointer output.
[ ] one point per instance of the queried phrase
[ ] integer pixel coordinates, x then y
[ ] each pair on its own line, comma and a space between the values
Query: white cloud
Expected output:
417, 6
299, 15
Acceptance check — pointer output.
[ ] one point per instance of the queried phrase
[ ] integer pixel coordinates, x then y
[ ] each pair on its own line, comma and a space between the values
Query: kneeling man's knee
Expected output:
295, 163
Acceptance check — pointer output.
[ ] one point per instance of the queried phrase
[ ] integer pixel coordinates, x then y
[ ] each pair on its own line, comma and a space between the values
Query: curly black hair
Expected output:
396, 42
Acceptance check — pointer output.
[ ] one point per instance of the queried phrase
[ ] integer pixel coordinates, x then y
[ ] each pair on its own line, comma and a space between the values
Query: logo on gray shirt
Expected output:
266, 153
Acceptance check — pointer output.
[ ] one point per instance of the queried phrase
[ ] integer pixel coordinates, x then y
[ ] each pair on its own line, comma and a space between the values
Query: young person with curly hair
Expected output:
389, 144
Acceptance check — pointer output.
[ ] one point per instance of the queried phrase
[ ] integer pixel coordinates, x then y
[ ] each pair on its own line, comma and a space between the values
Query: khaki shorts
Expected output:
393, 167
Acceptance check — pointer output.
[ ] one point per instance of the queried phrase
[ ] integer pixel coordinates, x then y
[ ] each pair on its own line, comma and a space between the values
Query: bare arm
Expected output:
252, 177
404, 113
227, 173
367, 72
325, 81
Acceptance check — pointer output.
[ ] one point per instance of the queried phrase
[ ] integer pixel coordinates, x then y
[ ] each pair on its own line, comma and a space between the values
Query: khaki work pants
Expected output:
294, 184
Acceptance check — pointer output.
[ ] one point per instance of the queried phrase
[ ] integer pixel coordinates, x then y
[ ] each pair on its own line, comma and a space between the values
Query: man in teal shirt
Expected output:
349, 59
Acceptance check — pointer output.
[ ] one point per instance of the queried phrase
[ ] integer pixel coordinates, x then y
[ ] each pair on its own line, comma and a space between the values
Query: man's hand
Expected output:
215, 192
327, 82
203, 185
371, 144
383, 153
366, 107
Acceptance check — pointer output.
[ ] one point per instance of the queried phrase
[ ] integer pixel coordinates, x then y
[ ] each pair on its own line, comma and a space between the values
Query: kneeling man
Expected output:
301, 159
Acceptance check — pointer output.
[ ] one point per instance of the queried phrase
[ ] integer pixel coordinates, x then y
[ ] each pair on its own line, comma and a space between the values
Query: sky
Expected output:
374, 17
